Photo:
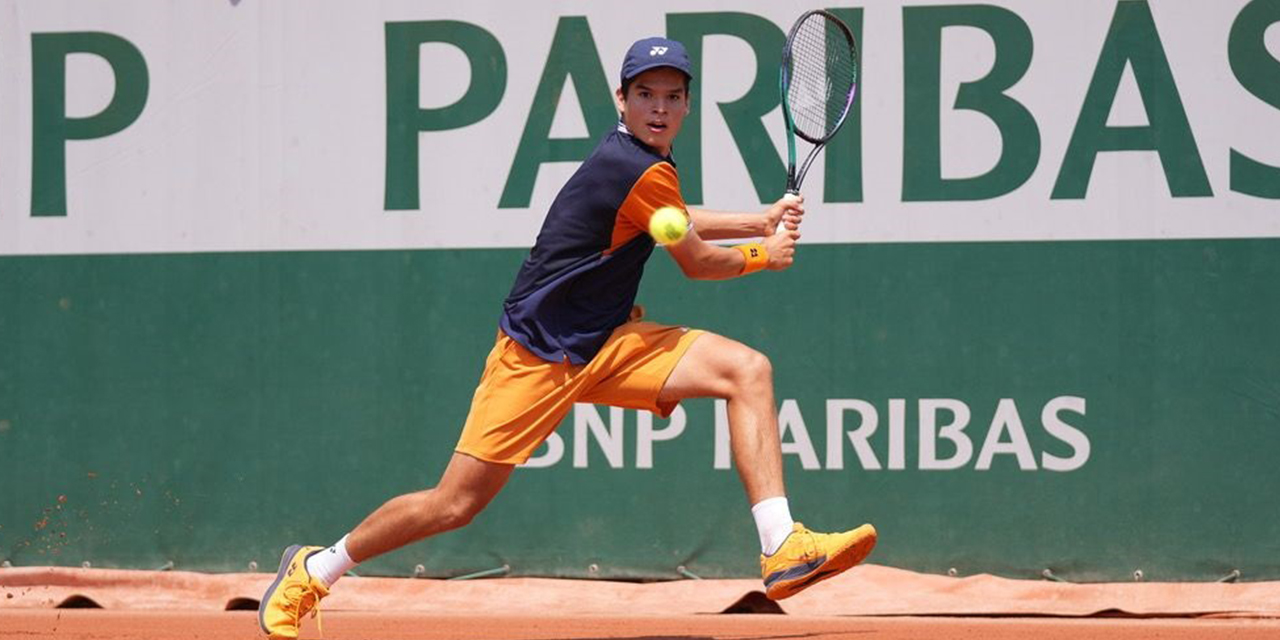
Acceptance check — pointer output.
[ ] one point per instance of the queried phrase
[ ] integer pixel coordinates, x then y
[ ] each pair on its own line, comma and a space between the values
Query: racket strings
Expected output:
822, 72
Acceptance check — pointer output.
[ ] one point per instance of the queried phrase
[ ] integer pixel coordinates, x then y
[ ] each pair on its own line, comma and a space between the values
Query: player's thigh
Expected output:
716, 367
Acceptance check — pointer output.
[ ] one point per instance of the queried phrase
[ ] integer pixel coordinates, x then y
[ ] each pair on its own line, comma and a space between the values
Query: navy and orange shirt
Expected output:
580, 279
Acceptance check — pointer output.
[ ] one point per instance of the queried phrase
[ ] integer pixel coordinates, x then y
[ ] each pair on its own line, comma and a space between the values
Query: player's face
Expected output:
655, 106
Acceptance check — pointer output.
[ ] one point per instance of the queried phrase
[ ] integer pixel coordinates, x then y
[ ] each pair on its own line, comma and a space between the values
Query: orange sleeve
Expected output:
657, 187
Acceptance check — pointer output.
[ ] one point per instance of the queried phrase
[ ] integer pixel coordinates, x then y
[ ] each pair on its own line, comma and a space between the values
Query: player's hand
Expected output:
782, 249
788, 211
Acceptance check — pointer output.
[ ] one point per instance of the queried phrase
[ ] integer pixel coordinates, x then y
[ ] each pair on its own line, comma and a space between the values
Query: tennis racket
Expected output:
818, 81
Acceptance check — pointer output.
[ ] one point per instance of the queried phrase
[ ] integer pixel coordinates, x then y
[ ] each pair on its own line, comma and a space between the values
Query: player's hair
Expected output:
626, 85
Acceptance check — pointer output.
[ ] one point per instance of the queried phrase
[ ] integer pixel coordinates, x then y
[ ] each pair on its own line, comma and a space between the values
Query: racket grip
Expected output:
793, 196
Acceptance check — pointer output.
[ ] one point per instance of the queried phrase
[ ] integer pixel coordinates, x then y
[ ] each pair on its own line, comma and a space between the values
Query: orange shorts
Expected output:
522, 398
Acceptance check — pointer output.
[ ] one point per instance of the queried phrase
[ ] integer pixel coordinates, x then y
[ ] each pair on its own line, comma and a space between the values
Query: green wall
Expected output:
210, 409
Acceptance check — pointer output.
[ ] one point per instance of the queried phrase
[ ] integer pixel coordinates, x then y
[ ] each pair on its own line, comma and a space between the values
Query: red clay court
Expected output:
869, 602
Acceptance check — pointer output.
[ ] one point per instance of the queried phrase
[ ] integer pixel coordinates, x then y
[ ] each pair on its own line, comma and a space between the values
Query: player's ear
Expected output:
620, 99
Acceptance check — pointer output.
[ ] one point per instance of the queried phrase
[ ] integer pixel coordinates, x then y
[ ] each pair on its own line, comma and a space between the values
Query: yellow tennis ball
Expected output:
668, 225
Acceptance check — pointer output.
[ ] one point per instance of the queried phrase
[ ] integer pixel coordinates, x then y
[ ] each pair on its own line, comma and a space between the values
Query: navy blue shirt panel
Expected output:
572, 292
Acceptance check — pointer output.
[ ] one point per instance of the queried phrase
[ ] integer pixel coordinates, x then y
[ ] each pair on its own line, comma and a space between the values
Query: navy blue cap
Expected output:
652, 53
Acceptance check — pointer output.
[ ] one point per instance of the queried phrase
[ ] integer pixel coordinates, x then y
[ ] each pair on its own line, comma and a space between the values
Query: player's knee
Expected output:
456, 516
441, 510
462, 511
752, 370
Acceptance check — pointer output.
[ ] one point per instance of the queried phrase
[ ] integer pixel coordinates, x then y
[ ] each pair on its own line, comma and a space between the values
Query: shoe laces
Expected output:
299, 598
808, 541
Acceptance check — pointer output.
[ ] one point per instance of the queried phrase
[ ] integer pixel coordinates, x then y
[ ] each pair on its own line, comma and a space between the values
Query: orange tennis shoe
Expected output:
294, 594
807, 558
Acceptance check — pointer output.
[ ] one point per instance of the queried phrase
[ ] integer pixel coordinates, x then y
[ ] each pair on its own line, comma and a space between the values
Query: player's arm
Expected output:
659, 187
723, 225
702, 260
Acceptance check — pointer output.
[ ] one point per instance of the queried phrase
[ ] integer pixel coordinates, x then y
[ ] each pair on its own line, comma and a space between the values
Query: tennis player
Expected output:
570, 332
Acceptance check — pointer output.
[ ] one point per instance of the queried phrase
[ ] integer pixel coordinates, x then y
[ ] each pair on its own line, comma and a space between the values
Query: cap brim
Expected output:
657, 65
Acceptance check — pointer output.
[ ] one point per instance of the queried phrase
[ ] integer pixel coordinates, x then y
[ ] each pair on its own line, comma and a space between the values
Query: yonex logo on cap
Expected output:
658, 51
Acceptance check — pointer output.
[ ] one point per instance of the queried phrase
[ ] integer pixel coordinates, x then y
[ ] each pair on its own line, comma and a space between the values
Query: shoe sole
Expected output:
846, 559
284, 564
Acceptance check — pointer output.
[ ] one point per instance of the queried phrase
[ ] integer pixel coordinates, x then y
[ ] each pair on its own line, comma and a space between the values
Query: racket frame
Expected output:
794, 177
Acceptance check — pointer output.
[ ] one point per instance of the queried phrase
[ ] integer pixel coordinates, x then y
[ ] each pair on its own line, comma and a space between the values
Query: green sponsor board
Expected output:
1093, 408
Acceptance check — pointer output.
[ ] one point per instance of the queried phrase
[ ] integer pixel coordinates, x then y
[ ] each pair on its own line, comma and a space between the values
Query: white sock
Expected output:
773, 523
329, 565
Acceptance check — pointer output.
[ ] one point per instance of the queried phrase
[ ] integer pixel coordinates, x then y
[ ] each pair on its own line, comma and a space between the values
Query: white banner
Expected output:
265, 124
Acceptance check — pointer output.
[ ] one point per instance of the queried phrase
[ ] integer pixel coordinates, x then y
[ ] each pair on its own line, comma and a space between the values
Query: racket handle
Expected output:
793, 196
